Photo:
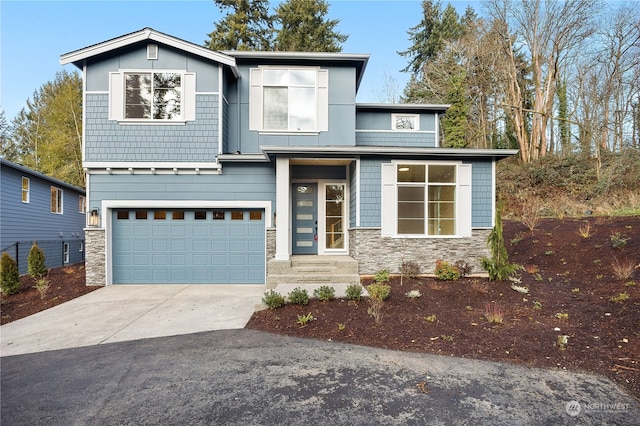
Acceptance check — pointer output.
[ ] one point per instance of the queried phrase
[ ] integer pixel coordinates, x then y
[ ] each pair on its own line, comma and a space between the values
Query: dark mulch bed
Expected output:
65, 284
565, 273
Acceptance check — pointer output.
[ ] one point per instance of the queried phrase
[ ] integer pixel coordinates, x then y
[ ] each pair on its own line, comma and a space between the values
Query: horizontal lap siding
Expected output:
245, 183
108, 140
34, 221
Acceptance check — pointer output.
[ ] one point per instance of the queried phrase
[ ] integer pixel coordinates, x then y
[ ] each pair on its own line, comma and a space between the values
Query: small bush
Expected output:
299, 296
446, 271
382, 276
464, 268
585, 231
413, 294
378, 293
35, 262
324, 293
43, 285
273, 300
354, 291
9, 275
410, 269
304, 319
621, 297
618, 241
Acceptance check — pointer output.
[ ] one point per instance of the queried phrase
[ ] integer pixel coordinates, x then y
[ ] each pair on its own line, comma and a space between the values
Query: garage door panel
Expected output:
178, 248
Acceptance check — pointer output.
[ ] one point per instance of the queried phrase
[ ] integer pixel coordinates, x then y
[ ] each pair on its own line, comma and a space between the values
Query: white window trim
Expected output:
25, 191
322, 215
66, 251
256, 96
416, 123
389, 204
82, 204
60, 197
117, 99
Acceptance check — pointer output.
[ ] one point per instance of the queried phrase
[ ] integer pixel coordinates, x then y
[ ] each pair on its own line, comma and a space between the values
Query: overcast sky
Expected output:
35, 33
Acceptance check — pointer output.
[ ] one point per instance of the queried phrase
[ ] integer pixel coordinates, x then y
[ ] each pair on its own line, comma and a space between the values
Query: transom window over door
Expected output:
156, 95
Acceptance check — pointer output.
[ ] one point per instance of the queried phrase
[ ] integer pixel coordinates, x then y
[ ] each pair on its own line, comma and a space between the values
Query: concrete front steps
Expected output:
312, 271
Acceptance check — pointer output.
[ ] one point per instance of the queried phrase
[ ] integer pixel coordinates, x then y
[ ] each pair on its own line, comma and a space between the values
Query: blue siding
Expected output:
370, 191
237, 182
342, 93
33, 221
381, 120
482, 184
390, 138
106, 140
97, 78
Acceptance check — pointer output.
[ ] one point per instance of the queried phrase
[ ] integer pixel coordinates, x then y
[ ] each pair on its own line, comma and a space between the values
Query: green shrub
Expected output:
378, 293
410, 269
9, 275
324, 293
354, 291
446, 271
382, 276
498, 265
299, 296
35, 262
618, 241
273, 299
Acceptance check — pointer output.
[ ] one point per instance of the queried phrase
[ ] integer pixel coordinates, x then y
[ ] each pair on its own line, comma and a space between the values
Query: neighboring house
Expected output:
235, 167
36, 207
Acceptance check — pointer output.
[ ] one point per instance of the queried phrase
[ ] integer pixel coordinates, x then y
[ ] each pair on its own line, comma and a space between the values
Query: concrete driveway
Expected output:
129, 312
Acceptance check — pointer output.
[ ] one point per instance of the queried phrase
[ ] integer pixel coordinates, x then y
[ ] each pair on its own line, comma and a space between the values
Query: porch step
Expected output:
313, 270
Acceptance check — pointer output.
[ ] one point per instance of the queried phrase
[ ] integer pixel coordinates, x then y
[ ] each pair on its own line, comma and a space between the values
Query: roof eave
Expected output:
387, 151
77, 57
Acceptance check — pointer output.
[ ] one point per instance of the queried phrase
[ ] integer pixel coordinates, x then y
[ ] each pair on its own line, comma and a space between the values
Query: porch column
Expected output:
282, 209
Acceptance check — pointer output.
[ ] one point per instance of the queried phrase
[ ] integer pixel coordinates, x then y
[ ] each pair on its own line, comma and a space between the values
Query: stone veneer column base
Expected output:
95, 257
374, 252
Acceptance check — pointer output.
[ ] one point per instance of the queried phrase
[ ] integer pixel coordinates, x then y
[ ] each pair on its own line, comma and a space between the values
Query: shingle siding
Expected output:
395, 139
108, 140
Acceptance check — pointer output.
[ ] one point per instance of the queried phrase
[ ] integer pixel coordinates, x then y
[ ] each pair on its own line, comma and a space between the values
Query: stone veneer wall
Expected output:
271, 243
95, 257
374, 252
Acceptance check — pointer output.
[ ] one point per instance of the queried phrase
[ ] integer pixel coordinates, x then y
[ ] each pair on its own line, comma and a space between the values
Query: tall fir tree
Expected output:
304, 27
247, 26
424, 45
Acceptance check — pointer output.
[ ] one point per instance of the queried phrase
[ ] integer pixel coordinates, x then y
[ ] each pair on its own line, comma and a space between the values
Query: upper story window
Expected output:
82, 204
26, 187
404, 122
153, 95
56, 200
289, 99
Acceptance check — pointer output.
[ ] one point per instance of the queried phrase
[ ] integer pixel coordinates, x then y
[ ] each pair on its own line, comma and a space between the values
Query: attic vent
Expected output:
152, 51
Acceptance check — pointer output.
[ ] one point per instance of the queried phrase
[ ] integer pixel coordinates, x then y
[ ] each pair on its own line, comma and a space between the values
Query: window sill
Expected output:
152, 122
288, 133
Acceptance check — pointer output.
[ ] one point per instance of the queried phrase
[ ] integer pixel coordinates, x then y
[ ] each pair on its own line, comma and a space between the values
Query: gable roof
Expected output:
77, 57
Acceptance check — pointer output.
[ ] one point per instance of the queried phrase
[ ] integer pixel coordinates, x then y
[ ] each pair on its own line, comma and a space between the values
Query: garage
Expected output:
188, 246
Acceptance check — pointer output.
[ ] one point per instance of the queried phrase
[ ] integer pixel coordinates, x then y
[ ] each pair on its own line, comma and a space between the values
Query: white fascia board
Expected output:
386, 150
149, 34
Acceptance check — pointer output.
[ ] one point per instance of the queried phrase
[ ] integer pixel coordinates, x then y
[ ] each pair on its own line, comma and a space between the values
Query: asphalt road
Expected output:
246, 377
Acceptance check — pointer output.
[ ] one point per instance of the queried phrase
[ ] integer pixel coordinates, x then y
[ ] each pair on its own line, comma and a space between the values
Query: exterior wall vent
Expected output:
152, 51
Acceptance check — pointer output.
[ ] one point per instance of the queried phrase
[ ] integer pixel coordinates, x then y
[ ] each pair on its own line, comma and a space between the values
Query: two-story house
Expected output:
38, 208
229, 167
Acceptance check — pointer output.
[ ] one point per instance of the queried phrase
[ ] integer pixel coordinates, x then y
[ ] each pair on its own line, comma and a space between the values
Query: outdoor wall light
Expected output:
94, 218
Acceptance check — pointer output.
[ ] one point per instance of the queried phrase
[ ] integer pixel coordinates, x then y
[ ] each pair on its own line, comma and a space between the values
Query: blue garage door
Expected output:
188, 246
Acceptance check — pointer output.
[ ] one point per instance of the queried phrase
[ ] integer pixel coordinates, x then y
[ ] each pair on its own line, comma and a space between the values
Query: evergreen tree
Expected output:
35, 262
47, 133
425, 44
248, 26
305, 28
9, 275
